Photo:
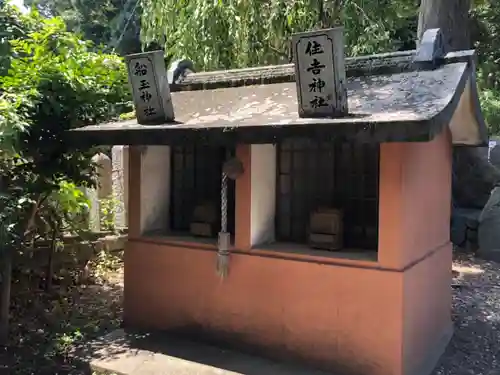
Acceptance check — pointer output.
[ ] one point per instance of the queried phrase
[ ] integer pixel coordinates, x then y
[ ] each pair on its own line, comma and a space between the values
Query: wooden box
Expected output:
201, 229
326, 229
204, 220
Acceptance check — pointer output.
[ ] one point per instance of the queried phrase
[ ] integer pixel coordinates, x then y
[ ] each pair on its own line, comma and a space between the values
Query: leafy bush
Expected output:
490, 104
486, 32
107, 211
51, 81
55, 82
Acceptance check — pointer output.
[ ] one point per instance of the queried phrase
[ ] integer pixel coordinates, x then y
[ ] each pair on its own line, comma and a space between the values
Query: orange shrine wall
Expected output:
314, 311
381, 318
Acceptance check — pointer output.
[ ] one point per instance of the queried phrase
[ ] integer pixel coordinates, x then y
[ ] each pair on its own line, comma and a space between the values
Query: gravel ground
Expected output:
475, 346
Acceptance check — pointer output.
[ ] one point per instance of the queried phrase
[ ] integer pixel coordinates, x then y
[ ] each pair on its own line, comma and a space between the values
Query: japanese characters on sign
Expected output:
145, 95
320, 73
147, 82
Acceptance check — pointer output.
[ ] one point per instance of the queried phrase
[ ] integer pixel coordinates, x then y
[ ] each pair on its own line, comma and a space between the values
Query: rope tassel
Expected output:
222, 260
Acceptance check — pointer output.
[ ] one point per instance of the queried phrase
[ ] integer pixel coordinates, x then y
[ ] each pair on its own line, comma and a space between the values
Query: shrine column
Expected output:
415, 196
149, 195
414, 241
255, 196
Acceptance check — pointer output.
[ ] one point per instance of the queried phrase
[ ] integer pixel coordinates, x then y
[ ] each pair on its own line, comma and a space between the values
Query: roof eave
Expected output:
366, 132
418, 130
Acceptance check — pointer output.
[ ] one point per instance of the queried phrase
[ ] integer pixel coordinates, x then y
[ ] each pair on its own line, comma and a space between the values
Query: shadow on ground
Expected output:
135, 352
49, 328
53, 333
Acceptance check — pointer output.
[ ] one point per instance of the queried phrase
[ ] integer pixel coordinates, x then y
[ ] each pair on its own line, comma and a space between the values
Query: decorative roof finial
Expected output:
432, 49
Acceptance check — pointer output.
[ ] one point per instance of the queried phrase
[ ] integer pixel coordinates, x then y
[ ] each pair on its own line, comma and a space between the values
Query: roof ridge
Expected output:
378, 64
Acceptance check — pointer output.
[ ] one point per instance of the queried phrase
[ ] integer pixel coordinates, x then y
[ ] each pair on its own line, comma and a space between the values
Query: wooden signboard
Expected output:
320, 73
150, 88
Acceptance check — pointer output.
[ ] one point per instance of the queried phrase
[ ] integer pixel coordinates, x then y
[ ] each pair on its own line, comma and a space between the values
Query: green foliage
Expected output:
113, 24
105, 263
218, 34
9, 29
55, 82
490, 104
51, 82
66, 341
107, 213
486, 34
74, 201
128, 116
64, 211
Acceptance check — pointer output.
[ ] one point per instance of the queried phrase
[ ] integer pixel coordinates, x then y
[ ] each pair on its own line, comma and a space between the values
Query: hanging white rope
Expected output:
232, 169
224, 236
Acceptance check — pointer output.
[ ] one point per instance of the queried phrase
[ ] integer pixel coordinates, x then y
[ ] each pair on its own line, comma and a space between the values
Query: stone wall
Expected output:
475, 228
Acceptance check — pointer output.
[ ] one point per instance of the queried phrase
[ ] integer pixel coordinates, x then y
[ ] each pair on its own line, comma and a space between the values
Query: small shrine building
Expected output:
267, 216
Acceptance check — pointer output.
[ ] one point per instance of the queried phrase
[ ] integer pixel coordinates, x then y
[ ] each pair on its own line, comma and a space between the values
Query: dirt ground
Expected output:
50, 329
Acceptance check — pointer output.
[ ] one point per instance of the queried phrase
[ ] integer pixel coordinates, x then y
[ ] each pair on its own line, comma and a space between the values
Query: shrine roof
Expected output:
390, 99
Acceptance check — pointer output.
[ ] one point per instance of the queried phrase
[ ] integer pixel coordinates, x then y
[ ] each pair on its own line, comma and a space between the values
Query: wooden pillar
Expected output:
256, 196
243, 198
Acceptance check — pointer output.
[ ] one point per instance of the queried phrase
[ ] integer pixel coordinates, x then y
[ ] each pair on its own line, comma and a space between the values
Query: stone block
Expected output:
104, 169
464, 225
119, 177
489, 228
495, 155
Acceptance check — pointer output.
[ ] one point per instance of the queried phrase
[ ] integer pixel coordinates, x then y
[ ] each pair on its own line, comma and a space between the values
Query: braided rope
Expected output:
223, 250
223, 204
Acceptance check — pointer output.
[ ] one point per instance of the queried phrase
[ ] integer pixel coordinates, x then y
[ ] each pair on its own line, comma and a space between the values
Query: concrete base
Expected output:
434, 354
121, 353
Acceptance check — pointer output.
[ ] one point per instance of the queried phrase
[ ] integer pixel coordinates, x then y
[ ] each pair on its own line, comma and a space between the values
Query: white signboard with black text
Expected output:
320, 73
150, 90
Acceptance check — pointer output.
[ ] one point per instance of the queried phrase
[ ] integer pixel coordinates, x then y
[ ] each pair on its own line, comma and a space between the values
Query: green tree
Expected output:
485, 34
240, 33
12, 26
114, 24
55, 82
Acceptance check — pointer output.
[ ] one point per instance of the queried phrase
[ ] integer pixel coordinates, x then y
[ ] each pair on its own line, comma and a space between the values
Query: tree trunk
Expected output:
451, 16
329, 13
6, 281
6, 260
50, 261
473, 176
